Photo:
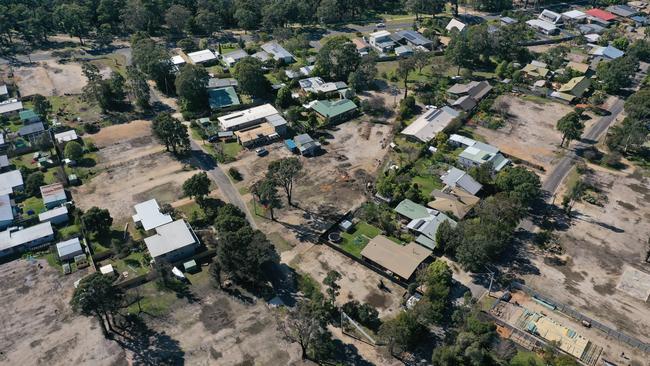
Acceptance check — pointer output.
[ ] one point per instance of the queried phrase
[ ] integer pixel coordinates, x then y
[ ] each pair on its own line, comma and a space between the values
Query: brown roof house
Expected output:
454, 201
401, 260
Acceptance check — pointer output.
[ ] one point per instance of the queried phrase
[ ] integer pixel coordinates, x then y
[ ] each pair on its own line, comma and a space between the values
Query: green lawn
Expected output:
280, 243
74, 107
354, 242
428, 184
231, 149
526, 358
131, 264
154, 302
33, 203
69, 231
187, 209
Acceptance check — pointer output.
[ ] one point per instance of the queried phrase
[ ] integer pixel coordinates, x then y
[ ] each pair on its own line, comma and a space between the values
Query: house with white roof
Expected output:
279, 53
63, 137
574, 16
381, 40
7, 213
11, 181
550, 17
4, 92
177, 61
172, 242
148, 215
455, 24
427, 125
608, 53
456, 178
202, 57
11, 106
231, 58
56, 216
253, 117
53, 195
4, 162
480, 153
17, 239
318, 85
69, 249
543, 26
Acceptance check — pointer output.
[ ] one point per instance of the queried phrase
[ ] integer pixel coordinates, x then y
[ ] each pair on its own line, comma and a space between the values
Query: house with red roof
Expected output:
601, 15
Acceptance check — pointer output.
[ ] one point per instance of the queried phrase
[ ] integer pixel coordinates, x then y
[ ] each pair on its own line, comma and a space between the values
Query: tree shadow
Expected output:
586, 218
149, 347
348, 354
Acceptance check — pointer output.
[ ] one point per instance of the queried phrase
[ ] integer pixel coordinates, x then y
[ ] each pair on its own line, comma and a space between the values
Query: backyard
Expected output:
355, 241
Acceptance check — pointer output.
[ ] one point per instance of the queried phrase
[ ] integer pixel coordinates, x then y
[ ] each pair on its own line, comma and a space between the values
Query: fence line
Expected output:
565, 309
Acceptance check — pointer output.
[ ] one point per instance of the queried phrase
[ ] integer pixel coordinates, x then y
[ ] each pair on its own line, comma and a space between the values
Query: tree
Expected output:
617, 74
197, 186
248, 14
363, 77
97, 220
250, 76
459, 51
153, 60
631, 134
33, 183
243, 253
302, 327
337, 59
171, 132
42, 106
570, 126
401, 332
191, 84
74, 19
138, 87
96, 296
177, 16
328, 11
520, 183
637, 106
436, 278
332, 286
267, 194
73, 151
108, 94
445, 237
284, 99
284, 173
404, 68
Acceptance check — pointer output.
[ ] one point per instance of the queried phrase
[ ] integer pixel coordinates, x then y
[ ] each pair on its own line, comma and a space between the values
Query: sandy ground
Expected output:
600, 244
50, 78
134, 168
529, 133
38, 325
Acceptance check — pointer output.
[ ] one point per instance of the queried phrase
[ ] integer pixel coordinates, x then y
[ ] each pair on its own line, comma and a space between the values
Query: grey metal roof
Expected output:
31, 129
55, 212
4, 161
458, 178
302, 139
622, 10
236, 55
220, 83
3, 89
68, 247
14, 238
412, 37
6, 211
277, 50
170, 237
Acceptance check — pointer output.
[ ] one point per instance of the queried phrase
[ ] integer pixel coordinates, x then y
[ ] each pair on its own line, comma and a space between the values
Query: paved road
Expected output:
229, 192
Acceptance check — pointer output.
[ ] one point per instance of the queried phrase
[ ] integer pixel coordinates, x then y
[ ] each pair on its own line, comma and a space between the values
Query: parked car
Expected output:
213, 138
380, 25
261, 152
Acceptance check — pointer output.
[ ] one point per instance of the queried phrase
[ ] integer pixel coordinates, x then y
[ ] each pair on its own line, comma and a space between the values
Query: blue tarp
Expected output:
290, 145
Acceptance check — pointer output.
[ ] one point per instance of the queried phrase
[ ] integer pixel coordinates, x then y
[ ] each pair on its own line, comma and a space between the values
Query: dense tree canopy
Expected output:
191, 84
337, 59
250, 76
97, 220
171, 133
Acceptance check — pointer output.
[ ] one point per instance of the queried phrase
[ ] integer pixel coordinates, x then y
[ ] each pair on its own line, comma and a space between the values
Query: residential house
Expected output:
214, 83
252, 117
275, 50
600, 17
574, 16
11, 181
256, 135
607, 53
18, 239
148, 215
11, 106
543, 26
318, 85
7, 212
640, 20
427, 227
469, 95
172, 242
508, 21
177, 61
580, 67
550, 17
53, 195
32, 131
456, 178
3, 143
203, 57
455, 24
576, 87
307, 145
638, 5
334, 111
56, 216
219, 98
63, 137
536, 70
262, 56
362, 46
427, 125
455, 201
410, 210
404, 51
231, 58
4, 162
622, 10
4, 92
382, 41
589, 30
28, 116
413, 39
69, 249
480, 153
400, 260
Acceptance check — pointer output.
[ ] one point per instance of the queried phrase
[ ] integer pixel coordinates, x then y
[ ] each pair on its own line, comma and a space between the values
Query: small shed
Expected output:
69, 249
346, 225
190, 266
107, 270
291, 145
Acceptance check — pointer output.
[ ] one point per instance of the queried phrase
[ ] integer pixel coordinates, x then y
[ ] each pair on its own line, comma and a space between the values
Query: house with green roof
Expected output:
334, 111
222, 97
576, 86
412, 211
479, 153
28, 116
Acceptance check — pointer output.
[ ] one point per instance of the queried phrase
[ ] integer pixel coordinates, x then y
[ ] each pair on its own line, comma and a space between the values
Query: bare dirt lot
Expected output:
38, 325
600, 245
529, 132
134, 168
50, 78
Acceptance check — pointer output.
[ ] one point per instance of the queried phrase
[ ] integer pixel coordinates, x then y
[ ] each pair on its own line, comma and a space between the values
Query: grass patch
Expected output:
526, 358
188, 209
132, 264
35, 204
231, 149
70, 107
69, 231
427, 184
114, 61
536, 99
154, 302
354, 242
244, 190
280, 243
